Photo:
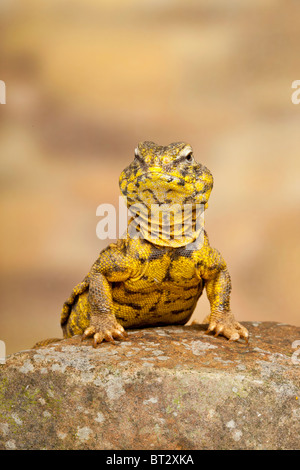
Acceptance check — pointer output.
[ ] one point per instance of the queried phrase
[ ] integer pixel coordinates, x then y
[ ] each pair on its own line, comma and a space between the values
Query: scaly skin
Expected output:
142, 282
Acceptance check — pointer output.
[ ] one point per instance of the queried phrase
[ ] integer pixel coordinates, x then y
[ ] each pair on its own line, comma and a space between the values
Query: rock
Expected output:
165, 388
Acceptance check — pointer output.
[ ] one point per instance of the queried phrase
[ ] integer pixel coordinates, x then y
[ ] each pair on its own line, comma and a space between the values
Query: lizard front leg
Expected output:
103, 323
214, 272
221, 319
111, 266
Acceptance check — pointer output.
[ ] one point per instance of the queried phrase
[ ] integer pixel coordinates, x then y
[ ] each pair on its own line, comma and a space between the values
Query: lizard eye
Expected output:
189, 158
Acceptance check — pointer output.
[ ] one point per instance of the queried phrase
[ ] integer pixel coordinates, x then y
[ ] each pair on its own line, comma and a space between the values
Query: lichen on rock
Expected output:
164, 388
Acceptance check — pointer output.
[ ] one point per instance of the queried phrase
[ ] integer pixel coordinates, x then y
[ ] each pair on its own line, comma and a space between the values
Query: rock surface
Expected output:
165, 388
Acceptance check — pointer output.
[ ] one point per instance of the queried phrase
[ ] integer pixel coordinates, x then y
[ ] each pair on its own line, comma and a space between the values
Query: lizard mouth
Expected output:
164, 179
160, 188
155, 186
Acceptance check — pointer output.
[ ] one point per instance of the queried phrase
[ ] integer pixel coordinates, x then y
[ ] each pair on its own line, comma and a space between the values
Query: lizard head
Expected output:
165, 175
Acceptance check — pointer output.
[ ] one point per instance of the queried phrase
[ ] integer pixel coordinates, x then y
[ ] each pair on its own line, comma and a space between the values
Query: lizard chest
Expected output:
163, 291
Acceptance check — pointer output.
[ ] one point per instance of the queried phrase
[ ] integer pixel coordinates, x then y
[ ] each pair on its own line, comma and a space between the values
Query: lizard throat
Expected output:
171, 225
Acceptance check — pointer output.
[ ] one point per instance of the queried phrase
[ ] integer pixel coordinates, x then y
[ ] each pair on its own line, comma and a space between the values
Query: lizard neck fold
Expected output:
170, 225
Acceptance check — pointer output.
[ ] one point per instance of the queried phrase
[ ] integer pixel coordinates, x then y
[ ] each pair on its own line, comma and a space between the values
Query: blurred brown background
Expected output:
86, 80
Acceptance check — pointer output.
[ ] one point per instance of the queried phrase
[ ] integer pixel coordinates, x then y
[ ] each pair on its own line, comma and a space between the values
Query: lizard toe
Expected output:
97, 339
108, 336
90, 331
229, 328
104, 331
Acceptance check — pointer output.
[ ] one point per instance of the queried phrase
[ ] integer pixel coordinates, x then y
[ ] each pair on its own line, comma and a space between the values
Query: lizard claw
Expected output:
228, 327
120, 335
98, 338
109, 331
109, 337
90, 331
219, 329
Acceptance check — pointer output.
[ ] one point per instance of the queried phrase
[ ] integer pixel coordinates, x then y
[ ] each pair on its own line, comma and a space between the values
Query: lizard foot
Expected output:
229, 328
108, 330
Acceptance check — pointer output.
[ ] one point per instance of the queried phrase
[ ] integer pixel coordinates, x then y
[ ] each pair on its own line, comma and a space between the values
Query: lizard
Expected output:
156, 280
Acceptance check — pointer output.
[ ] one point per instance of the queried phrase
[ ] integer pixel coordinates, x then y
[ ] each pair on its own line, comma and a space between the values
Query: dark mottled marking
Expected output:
154, 196
189, 298
177, 312
121, 318
186, 288
140, 292
128, 304
175, 300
